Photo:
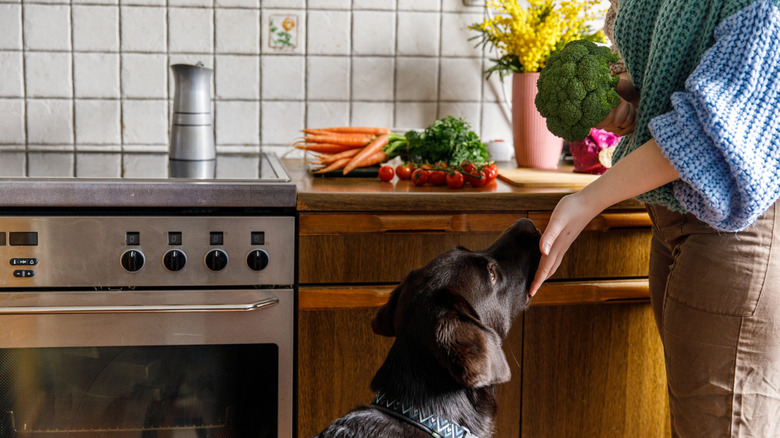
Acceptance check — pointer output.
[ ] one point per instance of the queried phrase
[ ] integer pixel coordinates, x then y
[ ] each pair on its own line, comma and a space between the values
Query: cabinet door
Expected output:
348, 248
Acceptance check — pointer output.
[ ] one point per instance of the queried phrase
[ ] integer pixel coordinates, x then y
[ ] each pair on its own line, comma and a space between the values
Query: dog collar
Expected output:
433, 425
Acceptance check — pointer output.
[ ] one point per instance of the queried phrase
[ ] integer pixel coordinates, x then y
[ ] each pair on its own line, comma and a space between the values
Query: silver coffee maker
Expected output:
192, 153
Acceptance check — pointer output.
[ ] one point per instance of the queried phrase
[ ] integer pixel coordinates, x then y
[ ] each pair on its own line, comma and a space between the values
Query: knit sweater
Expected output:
708, 73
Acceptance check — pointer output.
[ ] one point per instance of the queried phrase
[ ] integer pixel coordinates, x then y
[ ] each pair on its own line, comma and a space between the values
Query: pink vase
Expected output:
535, 145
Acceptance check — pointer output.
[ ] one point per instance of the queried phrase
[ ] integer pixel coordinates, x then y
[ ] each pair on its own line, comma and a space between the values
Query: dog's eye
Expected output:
492, 272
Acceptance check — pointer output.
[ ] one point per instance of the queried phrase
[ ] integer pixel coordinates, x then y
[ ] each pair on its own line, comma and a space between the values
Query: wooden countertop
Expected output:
333, 193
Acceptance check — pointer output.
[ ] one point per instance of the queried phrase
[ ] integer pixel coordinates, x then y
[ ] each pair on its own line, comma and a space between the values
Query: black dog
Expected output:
449, 319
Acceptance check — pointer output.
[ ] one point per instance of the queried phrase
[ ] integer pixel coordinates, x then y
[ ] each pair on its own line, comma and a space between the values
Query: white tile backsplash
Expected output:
11, 23
419, 5
144, 75
97, 122
96, 75
12, 163
373, 33
237, 31
237, 123
11, 74
50, 164
48, 74
323, 114
95, 28
424, 27
89, 80
327, 78
143, 29
190, 30
372, 114
91, 165
417, 79
461, 79
12, 122
456, 35
328, 32
373, 78
283, 77
282, 122
143, 165
145, 122
237, 77
46, 27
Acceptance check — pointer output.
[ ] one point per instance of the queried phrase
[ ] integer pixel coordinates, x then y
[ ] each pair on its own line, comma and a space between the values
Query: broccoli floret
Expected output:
576, 90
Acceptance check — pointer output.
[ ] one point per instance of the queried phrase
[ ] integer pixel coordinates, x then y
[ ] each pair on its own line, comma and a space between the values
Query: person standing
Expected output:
700, 116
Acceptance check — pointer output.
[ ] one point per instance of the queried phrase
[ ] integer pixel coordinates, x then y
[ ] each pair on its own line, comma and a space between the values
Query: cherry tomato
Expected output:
404, 171
491, 172
479, 182
437, 177
455, 180
469, 168
386, 173
420, 177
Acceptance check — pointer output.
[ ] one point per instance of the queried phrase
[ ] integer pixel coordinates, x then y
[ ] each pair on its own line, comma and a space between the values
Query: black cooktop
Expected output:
184, 187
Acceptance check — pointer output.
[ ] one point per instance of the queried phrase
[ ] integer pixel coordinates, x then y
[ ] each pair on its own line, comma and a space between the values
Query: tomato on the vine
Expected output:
491, 172
478, 182
420, 177
437, 177
404, 171
455, 180
386, 173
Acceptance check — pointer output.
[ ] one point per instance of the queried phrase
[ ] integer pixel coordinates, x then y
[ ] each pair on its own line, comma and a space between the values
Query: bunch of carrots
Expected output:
345, 147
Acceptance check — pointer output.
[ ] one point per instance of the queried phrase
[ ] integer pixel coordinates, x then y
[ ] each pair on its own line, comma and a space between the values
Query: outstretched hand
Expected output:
569, 218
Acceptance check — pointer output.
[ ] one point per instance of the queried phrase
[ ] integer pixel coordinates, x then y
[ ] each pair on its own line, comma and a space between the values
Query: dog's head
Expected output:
461, 305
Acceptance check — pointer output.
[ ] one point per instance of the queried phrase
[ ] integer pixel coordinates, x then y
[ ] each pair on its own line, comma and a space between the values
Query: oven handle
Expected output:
255, 303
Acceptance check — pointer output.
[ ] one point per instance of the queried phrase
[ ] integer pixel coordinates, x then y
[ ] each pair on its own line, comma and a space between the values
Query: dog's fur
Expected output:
449, 319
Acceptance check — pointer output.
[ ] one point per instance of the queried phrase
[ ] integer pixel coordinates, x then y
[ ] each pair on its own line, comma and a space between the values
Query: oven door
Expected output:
173, 363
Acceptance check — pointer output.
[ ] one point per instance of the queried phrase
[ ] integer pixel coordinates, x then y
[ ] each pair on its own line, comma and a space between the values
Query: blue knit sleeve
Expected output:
723, 135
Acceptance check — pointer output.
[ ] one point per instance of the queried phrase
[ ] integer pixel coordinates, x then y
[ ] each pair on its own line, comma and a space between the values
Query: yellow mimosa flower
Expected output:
525, 38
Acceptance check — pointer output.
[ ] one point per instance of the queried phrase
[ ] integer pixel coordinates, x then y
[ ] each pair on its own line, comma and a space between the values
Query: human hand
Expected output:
568, 219
622, 119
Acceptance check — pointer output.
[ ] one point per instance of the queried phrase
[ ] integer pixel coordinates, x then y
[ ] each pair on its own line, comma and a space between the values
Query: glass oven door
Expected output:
210, 363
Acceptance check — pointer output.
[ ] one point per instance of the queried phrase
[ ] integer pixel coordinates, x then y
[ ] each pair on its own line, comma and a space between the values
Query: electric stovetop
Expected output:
271, 188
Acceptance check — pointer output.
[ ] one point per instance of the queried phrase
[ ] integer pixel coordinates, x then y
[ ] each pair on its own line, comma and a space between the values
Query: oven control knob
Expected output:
257, 259
216, 260
132, 260
174, 260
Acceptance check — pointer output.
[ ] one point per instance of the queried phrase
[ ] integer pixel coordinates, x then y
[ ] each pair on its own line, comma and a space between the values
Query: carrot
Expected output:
316, 131
342, 139
326, 148
329, 158
357, 130
338, 164
361, 159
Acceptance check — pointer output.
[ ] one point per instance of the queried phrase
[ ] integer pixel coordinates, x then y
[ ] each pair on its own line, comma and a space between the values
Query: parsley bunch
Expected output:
449, 140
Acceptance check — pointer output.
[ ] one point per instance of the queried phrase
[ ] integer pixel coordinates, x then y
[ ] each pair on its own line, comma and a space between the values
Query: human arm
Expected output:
640, 171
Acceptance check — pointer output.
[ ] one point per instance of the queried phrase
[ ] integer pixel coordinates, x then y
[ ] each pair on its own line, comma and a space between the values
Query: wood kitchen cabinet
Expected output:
585, 358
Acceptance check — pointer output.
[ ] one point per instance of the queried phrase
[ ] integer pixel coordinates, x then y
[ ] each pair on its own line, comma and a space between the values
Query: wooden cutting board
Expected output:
539, 178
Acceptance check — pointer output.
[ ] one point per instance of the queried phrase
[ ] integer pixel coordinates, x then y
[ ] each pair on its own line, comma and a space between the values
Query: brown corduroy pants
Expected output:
716, 300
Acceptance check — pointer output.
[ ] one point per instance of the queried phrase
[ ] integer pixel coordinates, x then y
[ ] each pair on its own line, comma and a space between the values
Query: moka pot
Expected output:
192, 153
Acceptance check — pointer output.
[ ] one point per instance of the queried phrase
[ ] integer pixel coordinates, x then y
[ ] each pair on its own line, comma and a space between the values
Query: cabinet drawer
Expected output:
348, 248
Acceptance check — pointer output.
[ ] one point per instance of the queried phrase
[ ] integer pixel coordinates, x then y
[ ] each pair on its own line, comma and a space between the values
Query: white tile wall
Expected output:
86, 89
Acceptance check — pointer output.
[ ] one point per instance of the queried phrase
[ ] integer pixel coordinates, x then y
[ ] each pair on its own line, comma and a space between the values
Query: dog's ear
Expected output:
469, 350
384, 321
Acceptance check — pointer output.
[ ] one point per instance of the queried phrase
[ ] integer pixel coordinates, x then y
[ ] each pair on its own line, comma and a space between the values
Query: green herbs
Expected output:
449, 140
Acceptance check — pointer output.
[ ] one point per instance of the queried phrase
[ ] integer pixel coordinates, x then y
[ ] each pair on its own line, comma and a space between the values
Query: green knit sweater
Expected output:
662, 42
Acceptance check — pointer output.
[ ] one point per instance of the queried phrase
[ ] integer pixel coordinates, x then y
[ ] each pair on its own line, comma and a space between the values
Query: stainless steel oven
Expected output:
147, 308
